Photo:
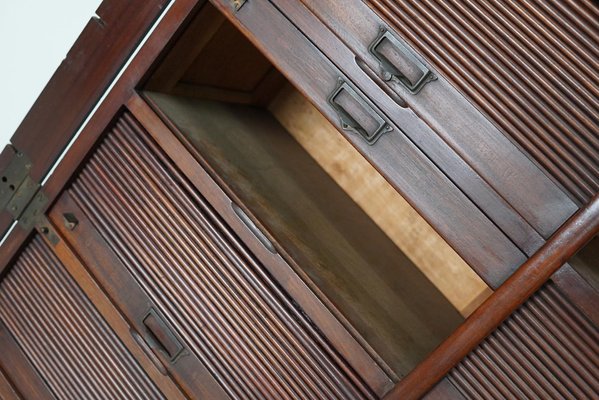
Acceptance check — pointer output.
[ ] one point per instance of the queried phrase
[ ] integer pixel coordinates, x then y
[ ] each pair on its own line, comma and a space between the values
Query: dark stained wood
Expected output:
530, 66
315, 304
334, 243
579, 290
129, 297
18, 370
444, 390
459, 187
167, 29
402, 163
7, 391
547, 349
64, 337
112, 316
506, 185
212, 60
143, 255
76, 86
572, 236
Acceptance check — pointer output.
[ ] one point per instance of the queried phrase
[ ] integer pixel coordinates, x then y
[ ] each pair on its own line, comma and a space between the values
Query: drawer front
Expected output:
64, 337
143, 226
507, 186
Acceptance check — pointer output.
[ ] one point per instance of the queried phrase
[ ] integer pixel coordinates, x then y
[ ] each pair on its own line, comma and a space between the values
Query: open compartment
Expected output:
353, 239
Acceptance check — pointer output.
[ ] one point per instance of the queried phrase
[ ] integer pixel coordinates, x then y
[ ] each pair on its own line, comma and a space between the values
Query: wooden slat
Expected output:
18, 370
532, 67
547, 349
67, 341
218, 298
80, 80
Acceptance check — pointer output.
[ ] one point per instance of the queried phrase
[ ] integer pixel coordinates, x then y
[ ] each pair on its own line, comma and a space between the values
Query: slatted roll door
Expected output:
65, 338
546, 350
252, 337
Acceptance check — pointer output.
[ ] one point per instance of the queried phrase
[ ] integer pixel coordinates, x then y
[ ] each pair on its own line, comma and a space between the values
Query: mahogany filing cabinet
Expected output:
271, 199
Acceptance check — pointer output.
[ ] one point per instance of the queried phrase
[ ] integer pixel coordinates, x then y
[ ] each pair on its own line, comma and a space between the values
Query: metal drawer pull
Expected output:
253, 228
356, 115
393, 55
160, 337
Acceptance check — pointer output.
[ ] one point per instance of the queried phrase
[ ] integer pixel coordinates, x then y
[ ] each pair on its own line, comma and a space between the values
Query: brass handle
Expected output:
390, 53
356, 114
160, 337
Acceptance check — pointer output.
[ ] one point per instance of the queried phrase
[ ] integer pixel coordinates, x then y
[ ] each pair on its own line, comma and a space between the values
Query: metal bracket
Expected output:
13, 176
34, 211
20, 195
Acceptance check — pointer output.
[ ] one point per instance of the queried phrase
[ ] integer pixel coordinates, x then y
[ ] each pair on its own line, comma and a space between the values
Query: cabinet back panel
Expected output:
63, 335
218, 297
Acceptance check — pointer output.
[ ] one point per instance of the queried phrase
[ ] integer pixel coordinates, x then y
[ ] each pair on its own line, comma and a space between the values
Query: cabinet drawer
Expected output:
485, 164
397, 154
210, 309
63, 336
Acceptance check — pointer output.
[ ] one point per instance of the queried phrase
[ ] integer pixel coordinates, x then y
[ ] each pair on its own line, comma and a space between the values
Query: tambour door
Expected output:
214, 315
66, 347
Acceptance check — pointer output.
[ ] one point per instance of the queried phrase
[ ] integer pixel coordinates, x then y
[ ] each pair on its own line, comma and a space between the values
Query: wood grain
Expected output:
529, 278
67, 341
531, 67
400, 222
216, 295
547, 349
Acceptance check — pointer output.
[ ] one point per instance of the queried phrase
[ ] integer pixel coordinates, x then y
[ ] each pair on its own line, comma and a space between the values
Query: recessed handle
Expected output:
398, 63
356, 115
253, 228
160, 337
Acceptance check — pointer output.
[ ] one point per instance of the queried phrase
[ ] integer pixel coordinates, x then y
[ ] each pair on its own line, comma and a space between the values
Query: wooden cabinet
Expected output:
289, 200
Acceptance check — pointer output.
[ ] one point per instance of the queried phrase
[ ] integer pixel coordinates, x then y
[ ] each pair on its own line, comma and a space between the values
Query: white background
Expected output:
35, 36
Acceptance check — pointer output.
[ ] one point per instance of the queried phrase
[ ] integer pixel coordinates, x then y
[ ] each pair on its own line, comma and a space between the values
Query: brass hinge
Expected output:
20, 195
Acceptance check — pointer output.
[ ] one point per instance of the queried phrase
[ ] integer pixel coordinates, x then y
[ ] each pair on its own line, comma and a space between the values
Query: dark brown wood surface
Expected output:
501, 180
95, 58
574, 234
547, 349
7, 390
65, 338
19, 371
335, 244
79, 82
168, 27
130, 294
531, 67
402, 163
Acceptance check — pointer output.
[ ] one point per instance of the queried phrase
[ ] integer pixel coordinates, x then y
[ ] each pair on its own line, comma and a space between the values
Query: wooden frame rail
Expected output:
529, 278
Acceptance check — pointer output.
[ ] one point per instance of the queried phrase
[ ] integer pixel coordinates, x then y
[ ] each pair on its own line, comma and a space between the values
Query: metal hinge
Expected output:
20, 195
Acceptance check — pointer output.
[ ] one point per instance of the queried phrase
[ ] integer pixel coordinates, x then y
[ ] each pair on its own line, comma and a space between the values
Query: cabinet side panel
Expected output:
66, 340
